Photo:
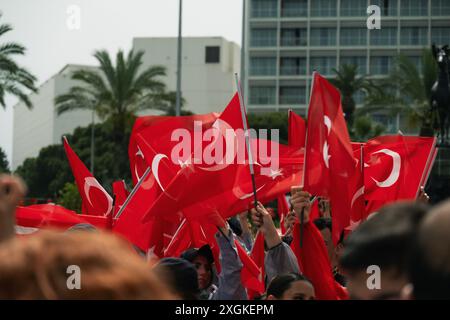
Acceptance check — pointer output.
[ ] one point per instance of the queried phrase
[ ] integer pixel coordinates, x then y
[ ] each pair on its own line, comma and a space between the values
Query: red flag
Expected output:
258, 255
95, 200
296, 130
157, 131
231, 191
283, 210
314, 262
251, 274
120, 194
32, 218
395, 167
329, 162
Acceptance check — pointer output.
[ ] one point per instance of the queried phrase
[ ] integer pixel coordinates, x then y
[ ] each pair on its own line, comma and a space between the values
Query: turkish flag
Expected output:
156, 132
329, 161
252, 276
314, 263
120, 194
95, 200
258, 255
396, 167
356, 183
296, 130
283, 210
43, 216
228, 183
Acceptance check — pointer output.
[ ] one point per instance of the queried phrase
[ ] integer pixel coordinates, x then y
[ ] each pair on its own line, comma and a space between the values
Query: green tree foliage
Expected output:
271, 120
69, 197
47, 174
4, 167
364, 129
14, 79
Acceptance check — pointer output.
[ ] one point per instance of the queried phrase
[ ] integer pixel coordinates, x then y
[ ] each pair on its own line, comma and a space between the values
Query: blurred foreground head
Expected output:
430, 265
39, 267
377, 254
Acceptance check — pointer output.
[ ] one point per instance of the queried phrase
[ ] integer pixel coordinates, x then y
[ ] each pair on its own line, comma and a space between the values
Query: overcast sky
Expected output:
43, 27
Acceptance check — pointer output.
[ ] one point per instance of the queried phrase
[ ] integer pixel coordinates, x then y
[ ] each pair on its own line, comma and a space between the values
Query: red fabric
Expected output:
283, 210
120, 194
329, 161
258, 255
96, 201
296, 130
395, 166
156, 131
314, 263
251, 274
54, 216
356, 183
231, 191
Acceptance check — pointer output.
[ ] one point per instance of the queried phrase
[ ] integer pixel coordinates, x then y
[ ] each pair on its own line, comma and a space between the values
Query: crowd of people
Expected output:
408, 243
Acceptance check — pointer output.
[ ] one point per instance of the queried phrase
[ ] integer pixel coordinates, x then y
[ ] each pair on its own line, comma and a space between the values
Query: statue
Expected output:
440, 93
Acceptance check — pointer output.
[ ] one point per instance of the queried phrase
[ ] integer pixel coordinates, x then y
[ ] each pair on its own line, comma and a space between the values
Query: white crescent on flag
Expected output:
91, 182
396, 166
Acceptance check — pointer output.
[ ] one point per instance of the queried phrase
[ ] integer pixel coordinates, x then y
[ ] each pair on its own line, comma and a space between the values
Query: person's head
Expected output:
203, 260
181, 276
95, 264
430, 264
290, 286
324, 226
376, 254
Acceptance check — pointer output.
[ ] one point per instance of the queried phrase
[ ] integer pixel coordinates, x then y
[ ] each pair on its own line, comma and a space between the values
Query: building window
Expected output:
263, 66
264, 8
380, 65
440, 36
264, 95
212, 54
292, 66
388, 7
440, 8
414, 8
353, 37
359, 97
360, 62
323, 37
353, 8
293, 37
414, 36
323, 8
323, 65
263, 37
383, 37
294, 8
292, 95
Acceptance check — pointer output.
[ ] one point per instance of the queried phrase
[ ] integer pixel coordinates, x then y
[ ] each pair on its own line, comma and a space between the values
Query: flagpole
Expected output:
247, 140
132, 193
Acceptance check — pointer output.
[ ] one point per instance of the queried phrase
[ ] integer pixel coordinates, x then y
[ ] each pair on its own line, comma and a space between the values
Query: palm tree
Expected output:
349, 83
116, 92
14, 79
406, 91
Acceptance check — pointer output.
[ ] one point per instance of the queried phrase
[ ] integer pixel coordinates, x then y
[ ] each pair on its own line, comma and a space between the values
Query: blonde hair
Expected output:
36, 267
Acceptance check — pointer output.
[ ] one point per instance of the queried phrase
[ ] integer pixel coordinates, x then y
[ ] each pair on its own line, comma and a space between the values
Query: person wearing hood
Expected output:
228, 284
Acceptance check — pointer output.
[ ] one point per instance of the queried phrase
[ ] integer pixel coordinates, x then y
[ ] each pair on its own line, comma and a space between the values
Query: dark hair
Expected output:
430, 262
182, 276
323, 223
235, 226
278, 286
384, 240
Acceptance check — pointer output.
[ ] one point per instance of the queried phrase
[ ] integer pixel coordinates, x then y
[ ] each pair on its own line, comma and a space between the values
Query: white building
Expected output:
208, 67
208, 84
41, 126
